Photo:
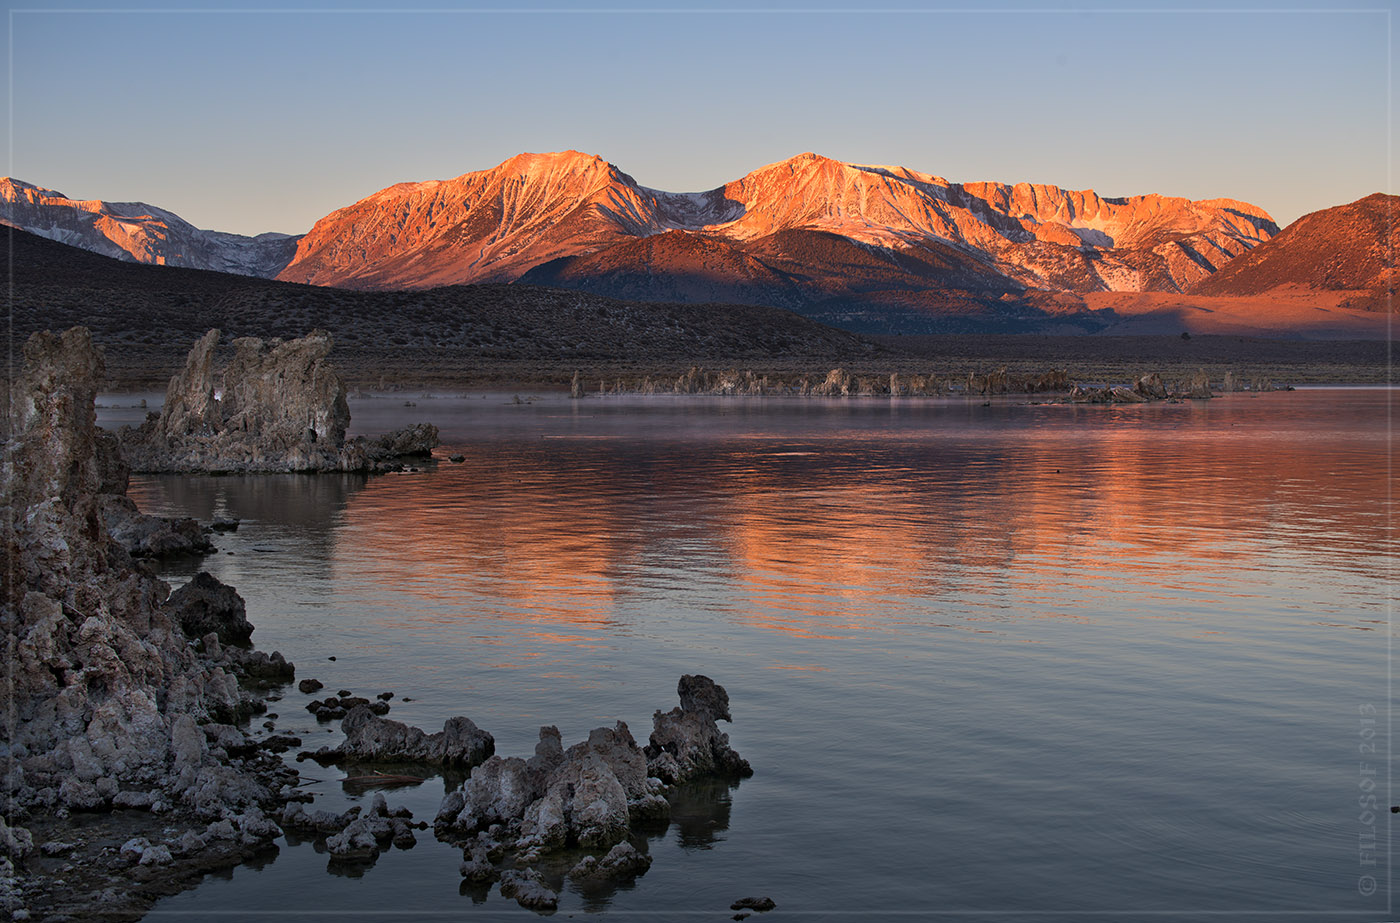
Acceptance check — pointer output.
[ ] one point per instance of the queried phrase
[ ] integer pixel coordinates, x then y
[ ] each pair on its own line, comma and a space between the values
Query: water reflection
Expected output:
839, 532
1011, 658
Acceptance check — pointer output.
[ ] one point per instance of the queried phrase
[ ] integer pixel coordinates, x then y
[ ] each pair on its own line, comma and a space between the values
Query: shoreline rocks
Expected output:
116, 710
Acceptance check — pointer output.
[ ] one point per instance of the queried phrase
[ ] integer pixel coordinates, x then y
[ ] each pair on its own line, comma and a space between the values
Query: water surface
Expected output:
1046, 660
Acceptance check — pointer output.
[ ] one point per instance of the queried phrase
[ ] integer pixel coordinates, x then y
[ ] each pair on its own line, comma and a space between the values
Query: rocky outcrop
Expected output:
106, 693
145, 536
686, 742
276, 406
207, 605
513, 813
370, 738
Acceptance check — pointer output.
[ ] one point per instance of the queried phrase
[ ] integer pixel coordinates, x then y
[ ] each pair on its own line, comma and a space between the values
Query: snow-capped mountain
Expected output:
536, 209
809, 233
139, 232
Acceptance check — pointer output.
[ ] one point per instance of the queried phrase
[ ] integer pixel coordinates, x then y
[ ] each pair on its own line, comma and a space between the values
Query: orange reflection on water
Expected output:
1039, 523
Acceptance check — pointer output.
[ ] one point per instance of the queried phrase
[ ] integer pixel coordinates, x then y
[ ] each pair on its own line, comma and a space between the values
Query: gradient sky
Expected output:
249, 120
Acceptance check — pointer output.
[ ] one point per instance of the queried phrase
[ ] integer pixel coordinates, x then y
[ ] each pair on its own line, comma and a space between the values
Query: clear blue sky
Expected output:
249, 121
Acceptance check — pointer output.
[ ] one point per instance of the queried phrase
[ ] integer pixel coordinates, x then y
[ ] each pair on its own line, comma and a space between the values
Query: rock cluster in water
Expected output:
127, 702
512, 813
275, 406
120, 694
840, 382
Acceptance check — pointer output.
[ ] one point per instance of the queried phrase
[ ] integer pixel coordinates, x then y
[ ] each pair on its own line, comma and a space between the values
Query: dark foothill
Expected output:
310, 685
761, 904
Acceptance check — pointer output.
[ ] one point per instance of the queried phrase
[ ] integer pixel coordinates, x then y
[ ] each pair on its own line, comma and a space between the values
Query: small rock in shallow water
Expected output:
761, 904
528, 889
310, 685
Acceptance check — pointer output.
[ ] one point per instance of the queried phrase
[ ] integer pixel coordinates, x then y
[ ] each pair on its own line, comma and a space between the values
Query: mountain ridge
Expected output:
138, 232
501, 223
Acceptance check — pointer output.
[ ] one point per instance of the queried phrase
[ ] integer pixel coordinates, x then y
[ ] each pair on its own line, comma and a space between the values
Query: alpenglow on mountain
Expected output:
139, 232
807, 233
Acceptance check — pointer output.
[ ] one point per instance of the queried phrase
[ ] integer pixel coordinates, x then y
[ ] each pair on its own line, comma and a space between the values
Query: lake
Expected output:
1043, 661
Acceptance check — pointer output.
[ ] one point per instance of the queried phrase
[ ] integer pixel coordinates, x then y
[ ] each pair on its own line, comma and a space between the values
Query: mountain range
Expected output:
876, 248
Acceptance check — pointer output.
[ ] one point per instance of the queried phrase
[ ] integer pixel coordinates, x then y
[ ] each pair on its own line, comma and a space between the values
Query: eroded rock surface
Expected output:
107, 693
370, 738
276, 406
686, 742
513, 814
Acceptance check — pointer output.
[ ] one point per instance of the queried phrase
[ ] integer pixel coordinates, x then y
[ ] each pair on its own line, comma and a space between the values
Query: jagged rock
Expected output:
528, 889
588, 796
690, 737
205, 605
500, 789
413, 440
275, 406
261, 667
621, 862
105, 694
355, 842
369, 738
761, 904
1120, 395
838, 383
1199, 387
150, 536
1151, 386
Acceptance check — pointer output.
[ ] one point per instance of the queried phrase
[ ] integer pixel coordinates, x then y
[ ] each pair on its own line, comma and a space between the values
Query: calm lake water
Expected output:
1048, 662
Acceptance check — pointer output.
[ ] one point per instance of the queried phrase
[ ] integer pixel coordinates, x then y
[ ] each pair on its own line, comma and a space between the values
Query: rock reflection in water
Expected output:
700, 811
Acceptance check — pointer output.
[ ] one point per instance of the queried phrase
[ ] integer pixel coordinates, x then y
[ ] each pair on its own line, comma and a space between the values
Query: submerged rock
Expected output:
761, 904
276, 406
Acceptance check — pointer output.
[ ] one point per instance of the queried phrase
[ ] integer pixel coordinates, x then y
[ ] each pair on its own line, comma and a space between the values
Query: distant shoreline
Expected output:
147, 367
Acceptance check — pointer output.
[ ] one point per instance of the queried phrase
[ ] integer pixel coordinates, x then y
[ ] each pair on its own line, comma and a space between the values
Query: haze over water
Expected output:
1061, 659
